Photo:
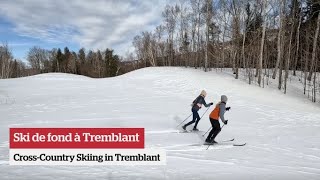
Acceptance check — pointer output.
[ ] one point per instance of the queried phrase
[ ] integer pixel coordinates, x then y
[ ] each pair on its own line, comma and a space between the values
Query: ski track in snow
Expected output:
281, 131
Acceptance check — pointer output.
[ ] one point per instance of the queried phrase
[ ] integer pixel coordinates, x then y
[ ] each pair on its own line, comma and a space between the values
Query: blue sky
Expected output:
94, 24
19, 44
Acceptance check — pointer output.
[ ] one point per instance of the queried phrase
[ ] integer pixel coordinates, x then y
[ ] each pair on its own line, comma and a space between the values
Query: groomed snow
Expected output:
282, 132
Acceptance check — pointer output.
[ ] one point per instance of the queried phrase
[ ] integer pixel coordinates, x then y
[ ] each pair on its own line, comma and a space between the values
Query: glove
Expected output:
225, 122
228, 108
211, 104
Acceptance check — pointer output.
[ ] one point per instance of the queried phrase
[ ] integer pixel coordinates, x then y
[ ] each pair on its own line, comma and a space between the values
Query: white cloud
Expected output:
94, 24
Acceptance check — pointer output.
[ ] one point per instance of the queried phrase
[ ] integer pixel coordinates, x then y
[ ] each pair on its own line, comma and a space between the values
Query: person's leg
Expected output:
217, 130
197, 120
194, 116
208, 139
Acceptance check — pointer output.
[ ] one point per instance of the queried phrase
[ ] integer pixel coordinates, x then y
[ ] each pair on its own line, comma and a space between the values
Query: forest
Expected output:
261, 39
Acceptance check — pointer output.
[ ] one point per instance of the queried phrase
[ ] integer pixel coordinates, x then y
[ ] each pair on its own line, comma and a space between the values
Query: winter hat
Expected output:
224, 98
203, 93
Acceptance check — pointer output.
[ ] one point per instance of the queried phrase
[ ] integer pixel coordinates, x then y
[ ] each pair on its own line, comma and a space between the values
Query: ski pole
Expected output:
210, 129
217, 134
204, 112
184, 120
191, 114
201, 118
207, 131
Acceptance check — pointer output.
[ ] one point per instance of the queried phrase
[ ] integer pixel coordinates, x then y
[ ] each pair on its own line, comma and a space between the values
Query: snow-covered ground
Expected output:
282, 132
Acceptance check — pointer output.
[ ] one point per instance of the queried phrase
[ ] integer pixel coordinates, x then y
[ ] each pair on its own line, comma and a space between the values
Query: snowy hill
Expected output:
281, 131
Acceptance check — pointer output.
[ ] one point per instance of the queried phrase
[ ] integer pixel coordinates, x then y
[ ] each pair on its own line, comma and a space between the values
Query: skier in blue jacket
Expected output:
196, 105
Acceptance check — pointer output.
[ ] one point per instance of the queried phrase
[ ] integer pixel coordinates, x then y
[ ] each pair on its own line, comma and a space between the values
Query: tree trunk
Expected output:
287, 65
315, 40
207, 37
280, 75
223, 39
262, 43
306, 62
243, 52
279, 39
297, 48
315, 86
198, 33
288, 60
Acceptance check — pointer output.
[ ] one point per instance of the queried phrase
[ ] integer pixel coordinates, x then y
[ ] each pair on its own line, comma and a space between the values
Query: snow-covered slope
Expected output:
282, 132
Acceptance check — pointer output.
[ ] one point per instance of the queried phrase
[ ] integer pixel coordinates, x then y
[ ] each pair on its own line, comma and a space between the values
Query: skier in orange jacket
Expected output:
215, 115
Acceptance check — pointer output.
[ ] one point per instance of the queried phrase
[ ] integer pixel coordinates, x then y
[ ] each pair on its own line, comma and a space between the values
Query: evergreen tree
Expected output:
59, 58
81, 61
66, 59
99, 63
114, 65
89, 64
15, 69
108, 59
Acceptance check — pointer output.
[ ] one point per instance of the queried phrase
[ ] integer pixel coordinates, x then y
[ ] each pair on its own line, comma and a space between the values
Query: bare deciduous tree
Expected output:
5, 61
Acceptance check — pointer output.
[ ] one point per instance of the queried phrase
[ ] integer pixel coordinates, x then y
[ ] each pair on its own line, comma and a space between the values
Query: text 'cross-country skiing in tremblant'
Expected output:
81, 146
164, 90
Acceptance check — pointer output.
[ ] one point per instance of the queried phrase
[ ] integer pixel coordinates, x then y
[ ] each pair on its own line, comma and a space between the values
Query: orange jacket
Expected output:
215, 113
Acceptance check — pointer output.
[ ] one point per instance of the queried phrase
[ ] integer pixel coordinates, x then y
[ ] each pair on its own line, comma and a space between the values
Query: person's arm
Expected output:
222, 111
205, 104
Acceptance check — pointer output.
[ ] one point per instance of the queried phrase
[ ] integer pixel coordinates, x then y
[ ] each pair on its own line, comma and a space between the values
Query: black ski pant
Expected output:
195, 118
215, 130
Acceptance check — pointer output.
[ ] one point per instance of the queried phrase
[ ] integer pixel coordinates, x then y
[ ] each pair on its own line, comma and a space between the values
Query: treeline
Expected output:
97, 64
262, 38
10, 67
